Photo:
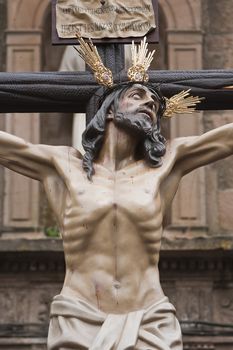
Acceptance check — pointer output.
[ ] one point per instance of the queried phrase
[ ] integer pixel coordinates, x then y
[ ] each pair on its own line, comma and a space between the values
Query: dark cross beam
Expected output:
78, 92
71, 92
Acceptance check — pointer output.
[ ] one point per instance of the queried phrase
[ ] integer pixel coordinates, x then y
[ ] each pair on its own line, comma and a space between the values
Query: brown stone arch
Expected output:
27, 14
184, 15
39, 16
167, 8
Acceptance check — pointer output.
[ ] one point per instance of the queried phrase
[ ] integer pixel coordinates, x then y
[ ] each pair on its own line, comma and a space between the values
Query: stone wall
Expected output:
218, 54
2, 68
218, 34
2, 33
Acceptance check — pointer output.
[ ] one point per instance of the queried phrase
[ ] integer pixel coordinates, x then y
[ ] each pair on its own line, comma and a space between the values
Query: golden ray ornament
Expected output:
141, 61
88, 52
181, 103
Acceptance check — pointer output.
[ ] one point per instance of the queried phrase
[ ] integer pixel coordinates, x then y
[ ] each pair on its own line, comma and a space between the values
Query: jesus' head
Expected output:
135, 108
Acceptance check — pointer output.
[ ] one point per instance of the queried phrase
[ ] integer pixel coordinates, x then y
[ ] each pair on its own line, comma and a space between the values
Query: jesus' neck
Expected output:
118, 148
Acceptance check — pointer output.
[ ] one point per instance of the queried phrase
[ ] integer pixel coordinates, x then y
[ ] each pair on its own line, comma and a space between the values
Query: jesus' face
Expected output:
136, 111
139, 100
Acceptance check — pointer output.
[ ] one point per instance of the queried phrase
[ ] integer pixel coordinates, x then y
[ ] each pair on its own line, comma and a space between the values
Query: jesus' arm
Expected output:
34, 161
196, 151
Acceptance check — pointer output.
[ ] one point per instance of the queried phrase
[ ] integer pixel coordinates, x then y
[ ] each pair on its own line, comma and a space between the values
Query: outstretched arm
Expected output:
34, 161
196, 151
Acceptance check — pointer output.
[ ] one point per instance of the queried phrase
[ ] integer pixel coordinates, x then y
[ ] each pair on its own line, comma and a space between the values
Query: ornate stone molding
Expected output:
36, 262
185, 262
199, 346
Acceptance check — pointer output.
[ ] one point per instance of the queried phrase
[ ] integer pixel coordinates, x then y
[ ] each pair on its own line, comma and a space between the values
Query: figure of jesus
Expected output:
110, 205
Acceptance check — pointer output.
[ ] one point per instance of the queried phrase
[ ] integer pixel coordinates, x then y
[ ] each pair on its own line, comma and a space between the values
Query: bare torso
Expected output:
111, 230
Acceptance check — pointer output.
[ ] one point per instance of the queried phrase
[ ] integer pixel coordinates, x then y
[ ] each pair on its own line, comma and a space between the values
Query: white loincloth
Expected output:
75, 324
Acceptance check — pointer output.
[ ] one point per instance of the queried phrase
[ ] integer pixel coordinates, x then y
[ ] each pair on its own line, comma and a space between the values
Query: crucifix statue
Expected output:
110, 205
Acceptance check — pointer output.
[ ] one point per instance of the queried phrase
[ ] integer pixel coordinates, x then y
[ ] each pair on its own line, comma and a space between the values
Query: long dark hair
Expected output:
152, 148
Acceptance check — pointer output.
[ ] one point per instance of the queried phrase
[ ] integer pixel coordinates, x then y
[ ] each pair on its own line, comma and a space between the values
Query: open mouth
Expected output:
148, 114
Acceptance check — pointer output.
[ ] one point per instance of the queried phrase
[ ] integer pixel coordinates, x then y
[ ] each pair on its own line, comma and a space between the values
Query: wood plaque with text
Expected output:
118, 21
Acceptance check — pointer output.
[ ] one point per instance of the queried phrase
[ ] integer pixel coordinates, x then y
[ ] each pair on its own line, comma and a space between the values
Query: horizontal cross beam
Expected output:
71, 92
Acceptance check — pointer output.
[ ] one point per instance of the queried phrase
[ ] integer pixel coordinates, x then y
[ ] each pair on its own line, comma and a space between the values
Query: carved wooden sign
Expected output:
105, 21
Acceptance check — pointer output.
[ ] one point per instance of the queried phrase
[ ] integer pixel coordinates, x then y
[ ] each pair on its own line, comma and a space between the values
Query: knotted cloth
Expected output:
76, 324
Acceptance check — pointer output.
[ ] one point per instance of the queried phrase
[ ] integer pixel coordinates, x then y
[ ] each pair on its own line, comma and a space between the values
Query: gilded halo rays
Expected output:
182, 102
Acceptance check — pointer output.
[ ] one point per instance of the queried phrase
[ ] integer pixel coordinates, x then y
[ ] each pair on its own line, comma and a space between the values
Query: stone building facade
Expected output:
197, 256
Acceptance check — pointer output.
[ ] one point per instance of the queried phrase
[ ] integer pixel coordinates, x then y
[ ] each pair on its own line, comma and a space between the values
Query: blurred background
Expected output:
197, 251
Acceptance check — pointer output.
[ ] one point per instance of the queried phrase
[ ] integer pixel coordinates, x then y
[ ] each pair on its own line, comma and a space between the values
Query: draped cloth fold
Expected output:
76, 324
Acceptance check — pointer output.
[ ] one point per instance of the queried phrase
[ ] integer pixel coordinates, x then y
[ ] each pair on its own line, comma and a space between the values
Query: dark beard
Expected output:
138, 124
151, 144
